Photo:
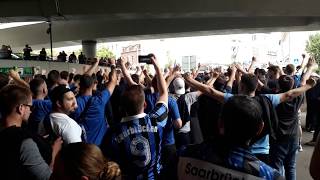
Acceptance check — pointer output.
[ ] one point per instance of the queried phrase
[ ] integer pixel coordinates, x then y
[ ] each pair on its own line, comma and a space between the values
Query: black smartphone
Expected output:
145, 59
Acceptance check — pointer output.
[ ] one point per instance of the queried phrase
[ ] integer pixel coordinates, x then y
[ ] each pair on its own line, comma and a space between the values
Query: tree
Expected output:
313, 46
105, 53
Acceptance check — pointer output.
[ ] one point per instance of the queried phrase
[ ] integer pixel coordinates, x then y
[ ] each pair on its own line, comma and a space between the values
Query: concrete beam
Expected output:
113, 30
15, 10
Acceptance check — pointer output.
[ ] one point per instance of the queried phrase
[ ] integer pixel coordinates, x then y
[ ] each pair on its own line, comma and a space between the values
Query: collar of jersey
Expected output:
130, 118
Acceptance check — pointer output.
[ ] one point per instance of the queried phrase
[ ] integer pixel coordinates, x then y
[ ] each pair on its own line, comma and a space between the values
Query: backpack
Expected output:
183, 109
270, 119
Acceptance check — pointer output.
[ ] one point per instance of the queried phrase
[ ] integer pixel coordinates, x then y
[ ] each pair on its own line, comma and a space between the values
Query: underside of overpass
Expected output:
105, 21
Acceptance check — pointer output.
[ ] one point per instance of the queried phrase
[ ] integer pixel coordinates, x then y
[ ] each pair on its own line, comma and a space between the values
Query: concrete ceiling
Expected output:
76, 20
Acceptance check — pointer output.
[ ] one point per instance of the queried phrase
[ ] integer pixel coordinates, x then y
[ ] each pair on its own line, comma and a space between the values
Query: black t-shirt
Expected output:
208, 114
288, 116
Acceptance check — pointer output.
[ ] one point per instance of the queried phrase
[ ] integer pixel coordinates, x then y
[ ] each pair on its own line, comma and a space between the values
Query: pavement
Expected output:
304, 157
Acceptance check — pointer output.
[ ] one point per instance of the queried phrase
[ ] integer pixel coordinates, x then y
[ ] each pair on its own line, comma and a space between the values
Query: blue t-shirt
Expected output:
41, 108
262, 146
135, 143
173, 115
297, 80
95, 122
215, 152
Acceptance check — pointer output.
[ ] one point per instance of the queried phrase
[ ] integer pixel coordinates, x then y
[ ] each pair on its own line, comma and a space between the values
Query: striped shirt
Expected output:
135, 143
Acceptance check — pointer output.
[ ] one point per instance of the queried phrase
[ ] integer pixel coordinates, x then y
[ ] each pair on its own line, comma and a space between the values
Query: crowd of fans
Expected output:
242, 123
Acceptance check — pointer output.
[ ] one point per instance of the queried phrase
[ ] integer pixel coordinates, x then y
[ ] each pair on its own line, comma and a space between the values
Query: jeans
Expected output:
283, 156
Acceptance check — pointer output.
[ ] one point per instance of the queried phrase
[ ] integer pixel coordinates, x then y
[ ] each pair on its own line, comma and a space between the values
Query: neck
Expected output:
86, 92
39, 97
12, 120
60, 111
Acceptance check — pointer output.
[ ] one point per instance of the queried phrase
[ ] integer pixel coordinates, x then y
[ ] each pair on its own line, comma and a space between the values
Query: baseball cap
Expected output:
58, 92
179, 86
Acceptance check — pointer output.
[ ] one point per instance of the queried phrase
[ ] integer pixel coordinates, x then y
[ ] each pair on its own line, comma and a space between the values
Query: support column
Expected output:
89, 48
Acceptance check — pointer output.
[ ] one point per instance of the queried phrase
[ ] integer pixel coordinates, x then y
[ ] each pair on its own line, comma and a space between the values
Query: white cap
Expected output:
179, 86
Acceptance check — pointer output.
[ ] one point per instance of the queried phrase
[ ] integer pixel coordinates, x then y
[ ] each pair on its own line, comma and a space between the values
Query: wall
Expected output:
47, 66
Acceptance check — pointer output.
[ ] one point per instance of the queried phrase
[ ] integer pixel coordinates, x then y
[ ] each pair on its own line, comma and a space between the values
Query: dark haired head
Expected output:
11, 96
35, 85
57, 94
249, 83
289, 69
241, 117
86, 81
64, 75
76, 77
71, 75
286, 83
132, 100
53, 78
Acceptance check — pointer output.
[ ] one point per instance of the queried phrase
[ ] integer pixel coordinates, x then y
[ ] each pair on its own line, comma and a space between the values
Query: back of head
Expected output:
249, 82
64, 75
35, 85
76, 77
86, 81
289, 69
242, 119
81, 159
135, 78
11, 96
132, 100
53, 78
286, 83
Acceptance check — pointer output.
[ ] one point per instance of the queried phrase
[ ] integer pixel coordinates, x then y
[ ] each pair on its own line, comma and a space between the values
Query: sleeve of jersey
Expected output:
174, 110
274, 98
159, 113
105, 96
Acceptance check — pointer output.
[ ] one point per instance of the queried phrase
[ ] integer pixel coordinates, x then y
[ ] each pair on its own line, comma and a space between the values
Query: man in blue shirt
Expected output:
90, 113
135, 143
229, 157
41, 107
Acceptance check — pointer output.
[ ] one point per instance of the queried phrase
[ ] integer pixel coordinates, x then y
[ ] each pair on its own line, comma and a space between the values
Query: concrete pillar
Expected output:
89, 48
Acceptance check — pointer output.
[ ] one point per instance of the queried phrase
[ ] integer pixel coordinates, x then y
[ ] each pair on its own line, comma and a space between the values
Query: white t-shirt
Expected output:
62, 125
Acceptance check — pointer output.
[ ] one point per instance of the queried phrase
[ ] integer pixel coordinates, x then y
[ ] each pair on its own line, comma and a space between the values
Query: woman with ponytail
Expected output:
81, 161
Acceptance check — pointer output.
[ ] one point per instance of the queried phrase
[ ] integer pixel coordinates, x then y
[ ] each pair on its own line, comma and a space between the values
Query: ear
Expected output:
260, 128
58, 104
19, 109
144, 105
84, 178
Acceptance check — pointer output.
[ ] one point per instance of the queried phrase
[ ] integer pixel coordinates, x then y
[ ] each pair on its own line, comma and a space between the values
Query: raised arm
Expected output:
232, 76
161, 82
251, 67
125, 73
214, 76
298, 91
92, 68
210, 91
310, 66
16, 78
112, 80
172, 75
